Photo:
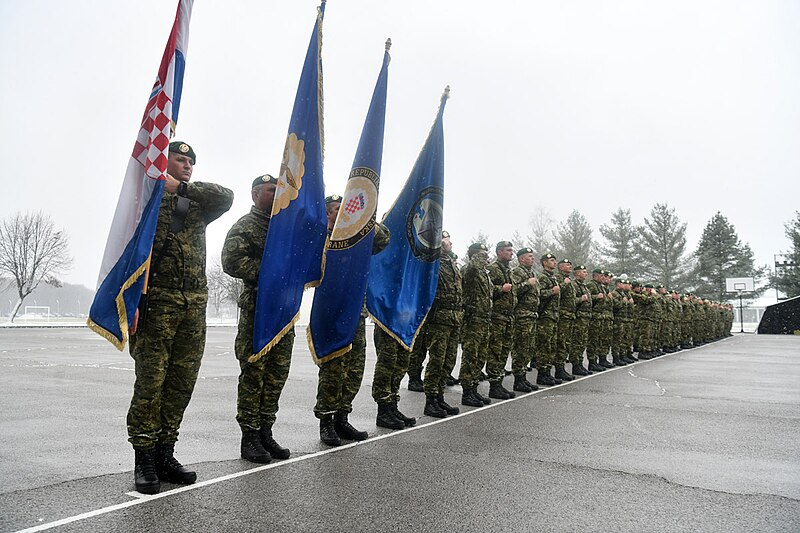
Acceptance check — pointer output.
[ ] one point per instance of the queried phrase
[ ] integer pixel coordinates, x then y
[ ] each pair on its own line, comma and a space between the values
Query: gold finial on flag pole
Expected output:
388, 43
446, 92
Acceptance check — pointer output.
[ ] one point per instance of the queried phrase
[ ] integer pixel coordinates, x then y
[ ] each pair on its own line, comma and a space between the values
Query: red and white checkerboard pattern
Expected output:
152, 143
356, 203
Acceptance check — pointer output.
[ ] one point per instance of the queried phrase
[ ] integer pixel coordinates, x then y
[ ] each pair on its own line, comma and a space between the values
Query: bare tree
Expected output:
217, 286
32, 251
542, 237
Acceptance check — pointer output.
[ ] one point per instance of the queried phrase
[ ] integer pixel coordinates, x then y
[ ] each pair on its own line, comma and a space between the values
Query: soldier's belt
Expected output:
185, 284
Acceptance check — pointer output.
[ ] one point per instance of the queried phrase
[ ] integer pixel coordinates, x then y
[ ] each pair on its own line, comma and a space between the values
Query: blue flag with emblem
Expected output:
295, 242
339, 298
403, 277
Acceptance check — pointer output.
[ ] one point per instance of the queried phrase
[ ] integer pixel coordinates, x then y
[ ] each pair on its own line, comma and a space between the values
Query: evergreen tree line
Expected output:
655, 251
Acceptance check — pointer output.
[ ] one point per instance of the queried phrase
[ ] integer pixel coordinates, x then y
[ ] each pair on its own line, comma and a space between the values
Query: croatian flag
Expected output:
127, 254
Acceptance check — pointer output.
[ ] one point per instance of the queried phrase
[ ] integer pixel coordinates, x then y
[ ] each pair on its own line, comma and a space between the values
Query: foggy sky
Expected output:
586, 105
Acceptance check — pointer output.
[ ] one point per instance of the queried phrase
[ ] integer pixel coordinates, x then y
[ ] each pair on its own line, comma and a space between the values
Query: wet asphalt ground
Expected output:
702, 440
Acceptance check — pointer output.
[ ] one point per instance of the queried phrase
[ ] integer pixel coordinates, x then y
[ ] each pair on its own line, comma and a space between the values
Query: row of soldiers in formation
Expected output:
543, 322
497, 312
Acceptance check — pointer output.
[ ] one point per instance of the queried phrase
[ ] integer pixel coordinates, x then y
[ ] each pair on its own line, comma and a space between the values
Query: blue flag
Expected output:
340, 297
295, 242
127, 254
403, 277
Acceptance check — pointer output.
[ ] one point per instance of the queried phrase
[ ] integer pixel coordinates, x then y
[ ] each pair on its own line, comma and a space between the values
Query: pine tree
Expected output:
787, 277
721, 254
618, 254
574, 239
541, 239
661, 246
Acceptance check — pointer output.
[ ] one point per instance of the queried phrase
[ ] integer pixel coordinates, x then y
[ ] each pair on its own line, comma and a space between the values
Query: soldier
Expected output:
580, 328
619, 309
504, 302
566, 319
477, 295
168, 339
390, 368
416, 360
444, 319
340, 378
547, 323
647, 311
260, 382
597, 350
525, 314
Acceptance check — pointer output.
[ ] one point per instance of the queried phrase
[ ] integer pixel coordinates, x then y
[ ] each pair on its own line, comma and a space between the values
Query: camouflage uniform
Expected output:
566, 317
169, 343
597, 349
340, 377
619, 308
502, 320
580, 330
261, 382
525, 315
390, 367
547, 323
443, 322
477, 293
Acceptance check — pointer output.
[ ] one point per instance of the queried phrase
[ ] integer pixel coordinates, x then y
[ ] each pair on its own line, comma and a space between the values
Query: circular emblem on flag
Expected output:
291, 177
424, 224
357, 210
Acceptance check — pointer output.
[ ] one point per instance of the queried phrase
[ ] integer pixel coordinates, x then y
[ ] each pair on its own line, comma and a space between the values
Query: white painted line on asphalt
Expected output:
145, 498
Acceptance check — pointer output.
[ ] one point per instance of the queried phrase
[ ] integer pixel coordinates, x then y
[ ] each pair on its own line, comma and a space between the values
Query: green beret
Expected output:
503, 244
580, 267
635, 283
261, 180
445, 234
565, 262
648, 285
547, 256
523, 251
333, 198
597, 271
180, 147
608, 273
659, 286
475, 248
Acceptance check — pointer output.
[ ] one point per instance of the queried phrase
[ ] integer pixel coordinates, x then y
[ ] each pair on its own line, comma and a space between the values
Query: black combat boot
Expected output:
252, 450
386, 417
271, 445
605, 363
645, 356
617, 360
432, 407
327, 431
346, 430
451, 410
169, 469
144, 472
415, 383
406, 420
481, 397
578, 370
451, 381
628, 358
544, 378
498, 392
468, 398
562, 374
521, 384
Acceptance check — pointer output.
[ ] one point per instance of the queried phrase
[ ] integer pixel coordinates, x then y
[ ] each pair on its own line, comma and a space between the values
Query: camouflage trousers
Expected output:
474, 347
416, 359
580, 336
522, 348
647, 337
564, 339
546, 340
260, 383
167, 350
390, 368
452, 354
617, 338
440, 339
340, 378
499, 347
599, 341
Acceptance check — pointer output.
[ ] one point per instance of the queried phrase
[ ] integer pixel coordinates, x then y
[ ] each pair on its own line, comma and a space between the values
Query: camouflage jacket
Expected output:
644, 306
242, 252
549, 303
567, 298
583, 309
601, 307
448, 303
527, 294
503, 302
181, 264
477, 291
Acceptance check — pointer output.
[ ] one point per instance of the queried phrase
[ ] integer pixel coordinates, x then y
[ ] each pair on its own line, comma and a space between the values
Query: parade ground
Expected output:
701, 440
